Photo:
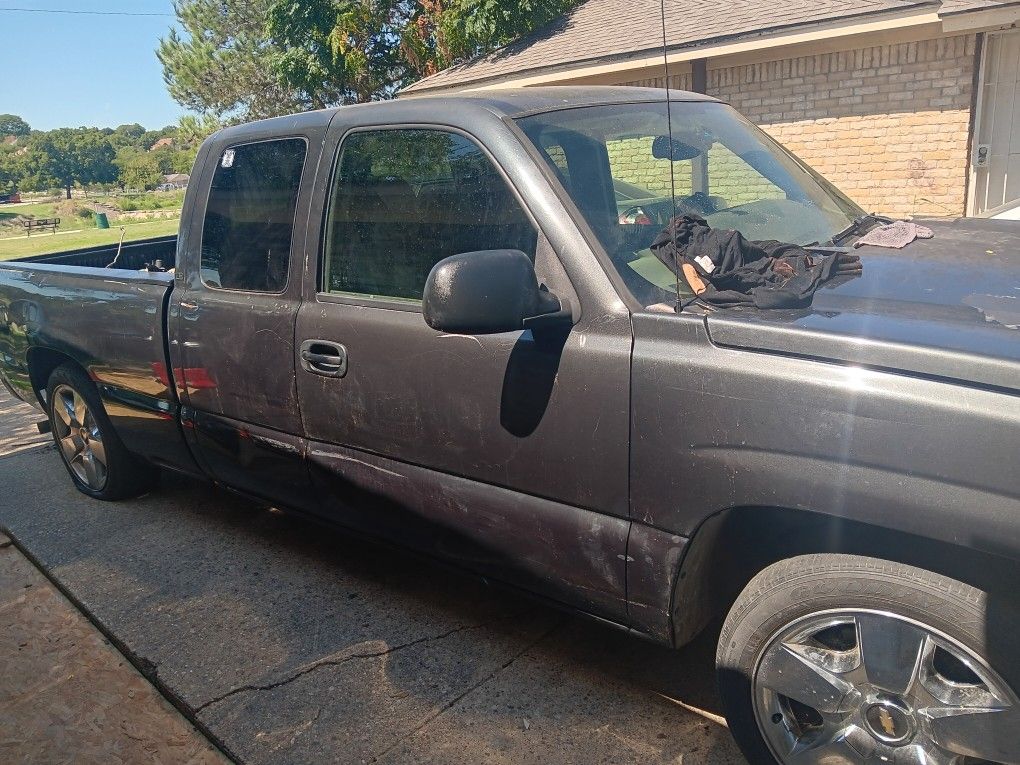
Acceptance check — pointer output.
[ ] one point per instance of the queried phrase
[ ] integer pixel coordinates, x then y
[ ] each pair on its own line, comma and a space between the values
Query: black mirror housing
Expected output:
486, 292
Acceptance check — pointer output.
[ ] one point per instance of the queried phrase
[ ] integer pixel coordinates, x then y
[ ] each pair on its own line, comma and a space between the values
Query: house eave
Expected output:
777, 37
1001, 17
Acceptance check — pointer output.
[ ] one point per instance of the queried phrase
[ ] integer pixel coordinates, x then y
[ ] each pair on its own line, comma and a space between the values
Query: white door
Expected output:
996, 153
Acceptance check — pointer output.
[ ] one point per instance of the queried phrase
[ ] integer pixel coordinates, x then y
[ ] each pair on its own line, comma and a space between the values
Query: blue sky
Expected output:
67, 70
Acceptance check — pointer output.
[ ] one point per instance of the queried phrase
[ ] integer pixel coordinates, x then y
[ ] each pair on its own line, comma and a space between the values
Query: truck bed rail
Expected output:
133, 254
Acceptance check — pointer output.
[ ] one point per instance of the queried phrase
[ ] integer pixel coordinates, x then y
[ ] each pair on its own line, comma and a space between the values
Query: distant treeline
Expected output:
128, 157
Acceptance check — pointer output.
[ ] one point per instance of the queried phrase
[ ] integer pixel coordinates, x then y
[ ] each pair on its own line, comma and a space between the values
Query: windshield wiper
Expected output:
857, 227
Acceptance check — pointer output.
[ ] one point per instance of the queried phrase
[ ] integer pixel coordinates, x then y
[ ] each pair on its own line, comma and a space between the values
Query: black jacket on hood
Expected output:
737, 271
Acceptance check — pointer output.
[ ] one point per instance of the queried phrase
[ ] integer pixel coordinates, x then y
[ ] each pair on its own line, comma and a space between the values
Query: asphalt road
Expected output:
293, 643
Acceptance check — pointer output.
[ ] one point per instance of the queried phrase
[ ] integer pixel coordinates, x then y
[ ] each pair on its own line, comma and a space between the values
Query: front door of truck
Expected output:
235, 317
506, 452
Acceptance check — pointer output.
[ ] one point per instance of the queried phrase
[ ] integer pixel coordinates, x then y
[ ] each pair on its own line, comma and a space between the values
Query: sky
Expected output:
69, 70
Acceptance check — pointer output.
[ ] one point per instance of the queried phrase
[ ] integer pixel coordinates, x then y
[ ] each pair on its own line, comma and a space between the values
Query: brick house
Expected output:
908, 107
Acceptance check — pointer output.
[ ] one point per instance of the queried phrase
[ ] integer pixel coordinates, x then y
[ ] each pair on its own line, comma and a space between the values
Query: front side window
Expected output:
249, 220
628, 167
402, 200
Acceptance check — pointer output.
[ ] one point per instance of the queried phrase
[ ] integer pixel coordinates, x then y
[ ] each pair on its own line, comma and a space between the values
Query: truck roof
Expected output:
508, 102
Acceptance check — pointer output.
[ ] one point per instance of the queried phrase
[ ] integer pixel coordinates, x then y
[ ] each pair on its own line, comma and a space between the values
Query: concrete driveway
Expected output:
288, 642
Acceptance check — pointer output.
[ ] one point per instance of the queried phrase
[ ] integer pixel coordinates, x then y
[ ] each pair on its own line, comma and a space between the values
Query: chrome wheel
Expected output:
860, 686
79, 437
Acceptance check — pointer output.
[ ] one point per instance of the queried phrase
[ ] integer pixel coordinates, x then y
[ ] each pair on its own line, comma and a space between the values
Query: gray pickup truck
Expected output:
433, 321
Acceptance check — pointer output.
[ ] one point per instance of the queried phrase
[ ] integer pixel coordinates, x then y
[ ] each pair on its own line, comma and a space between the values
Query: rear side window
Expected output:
249, 220
402, 200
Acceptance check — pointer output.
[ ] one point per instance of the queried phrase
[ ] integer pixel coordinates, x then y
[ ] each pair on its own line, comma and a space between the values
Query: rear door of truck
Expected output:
237, 298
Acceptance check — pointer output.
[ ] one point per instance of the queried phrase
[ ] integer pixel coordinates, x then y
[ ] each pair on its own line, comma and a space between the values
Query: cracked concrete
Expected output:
332, 662
294, 643
456, 700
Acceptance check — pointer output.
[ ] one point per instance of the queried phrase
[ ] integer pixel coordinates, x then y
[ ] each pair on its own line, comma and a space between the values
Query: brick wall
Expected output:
888, 125
730, 177
631, 160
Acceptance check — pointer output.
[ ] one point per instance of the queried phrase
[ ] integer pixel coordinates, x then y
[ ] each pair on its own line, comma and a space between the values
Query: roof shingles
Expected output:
603, 29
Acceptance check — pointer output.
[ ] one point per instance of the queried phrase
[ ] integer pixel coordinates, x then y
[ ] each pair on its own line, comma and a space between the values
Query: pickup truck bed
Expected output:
132, 255
112, 321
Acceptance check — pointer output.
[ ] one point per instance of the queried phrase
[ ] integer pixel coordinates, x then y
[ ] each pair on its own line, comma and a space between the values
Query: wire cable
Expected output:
86, 13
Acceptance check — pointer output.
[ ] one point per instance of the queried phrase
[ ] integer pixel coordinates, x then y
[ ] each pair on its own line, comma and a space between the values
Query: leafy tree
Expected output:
126, 135
183, 160
138, 169
223, 62
441, 33
247, 59
164, 159
193, 129
12, 124
67, 156
339, 51
11, 170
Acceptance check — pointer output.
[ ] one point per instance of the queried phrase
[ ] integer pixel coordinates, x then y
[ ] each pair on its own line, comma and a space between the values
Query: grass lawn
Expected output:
36, 210
144, 206
39, 210
44, 243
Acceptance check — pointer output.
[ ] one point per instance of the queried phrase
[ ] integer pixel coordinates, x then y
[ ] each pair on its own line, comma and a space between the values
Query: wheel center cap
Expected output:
889, 723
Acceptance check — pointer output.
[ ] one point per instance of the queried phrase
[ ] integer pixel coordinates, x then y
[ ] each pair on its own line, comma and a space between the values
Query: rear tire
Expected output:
843, 658
96, 459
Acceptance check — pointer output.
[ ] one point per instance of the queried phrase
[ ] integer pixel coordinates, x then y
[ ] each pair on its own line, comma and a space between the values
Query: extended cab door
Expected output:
507, 452
234, 310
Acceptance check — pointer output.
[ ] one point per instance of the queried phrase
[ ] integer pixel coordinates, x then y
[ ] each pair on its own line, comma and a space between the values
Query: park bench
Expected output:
41, 223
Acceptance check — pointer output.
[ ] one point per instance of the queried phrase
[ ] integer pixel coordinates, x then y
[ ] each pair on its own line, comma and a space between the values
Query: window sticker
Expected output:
228, 158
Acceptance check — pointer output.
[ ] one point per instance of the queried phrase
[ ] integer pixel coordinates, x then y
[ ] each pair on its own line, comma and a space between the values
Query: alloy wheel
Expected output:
861, 686
79, 437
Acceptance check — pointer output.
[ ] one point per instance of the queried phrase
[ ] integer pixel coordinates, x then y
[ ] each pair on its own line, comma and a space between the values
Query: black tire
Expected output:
795, 590
124, 474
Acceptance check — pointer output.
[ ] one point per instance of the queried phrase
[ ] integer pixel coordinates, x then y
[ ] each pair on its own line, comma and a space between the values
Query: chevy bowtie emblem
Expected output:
888, 724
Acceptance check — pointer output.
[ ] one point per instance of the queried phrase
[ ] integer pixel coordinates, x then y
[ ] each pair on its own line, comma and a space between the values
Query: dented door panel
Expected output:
572, 555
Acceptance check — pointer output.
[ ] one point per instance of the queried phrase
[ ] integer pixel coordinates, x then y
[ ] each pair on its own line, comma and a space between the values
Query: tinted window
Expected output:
249, 220
402, 200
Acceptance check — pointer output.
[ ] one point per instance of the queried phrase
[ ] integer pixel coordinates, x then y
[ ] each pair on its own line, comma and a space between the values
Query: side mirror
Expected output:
489, 291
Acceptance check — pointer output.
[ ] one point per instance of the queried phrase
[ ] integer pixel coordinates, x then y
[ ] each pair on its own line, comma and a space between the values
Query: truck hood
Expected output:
947, 307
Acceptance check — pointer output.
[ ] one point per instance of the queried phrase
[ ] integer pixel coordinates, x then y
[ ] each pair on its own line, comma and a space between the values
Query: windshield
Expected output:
615, 161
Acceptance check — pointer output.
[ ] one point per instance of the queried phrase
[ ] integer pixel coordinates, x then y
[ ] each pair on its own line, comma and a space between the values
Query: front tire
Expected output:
96, 459
845, 659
